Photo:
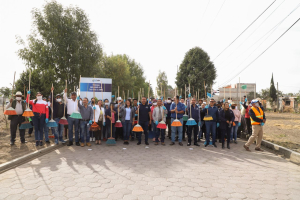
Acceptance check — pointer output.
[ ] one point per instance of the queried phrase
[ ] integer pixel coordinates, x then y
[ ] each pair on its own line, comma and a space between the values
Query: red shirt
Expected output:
39, 107
247, 112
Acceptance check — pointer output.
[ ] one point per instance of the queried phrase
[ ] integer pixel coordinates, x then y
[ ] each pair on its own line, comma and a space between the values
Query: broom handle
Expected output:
184, 97
12, 91
29, 86
65, 102
94, 99
190, 104
118, 105
52, 104
79, 90
176, 101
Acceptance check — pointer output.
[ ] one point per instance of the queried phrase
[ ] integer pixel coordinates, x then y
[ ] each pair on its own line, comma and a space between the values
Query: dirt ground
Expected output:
282, 129
8, 152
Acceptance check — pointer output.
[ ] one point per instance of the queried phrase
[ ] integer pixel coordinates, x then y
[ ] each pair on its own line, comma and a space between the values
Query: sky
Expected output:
157, 34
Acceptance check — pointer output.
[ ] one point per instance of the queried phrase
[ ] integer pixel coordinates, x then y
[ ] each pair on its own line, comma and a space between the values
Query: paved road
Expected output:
157, 172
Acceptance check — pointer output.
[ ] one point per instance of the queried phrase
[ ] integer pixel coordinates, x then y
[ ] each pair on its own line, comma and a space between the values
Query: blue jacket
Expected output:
168, 106
223, 122
180, 107
195, 113
212, 111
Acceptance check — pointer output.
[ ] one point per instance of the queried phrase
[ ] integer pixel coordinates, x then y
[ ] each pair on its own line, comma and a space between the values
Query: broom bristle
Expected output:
95, 127
25, 125
51, 123
176, 123
111, 141
76, 115
207, 118
191, 122
63, 121
10, 112
185, 118
118, 124
162, 126
137, 128
28, 113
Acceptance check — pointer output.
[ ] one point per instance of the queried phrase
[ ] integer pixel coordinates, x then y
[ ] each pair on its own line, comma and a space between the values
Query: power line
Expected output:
263, 51
204, 11
240, 34
271, 31
214, 20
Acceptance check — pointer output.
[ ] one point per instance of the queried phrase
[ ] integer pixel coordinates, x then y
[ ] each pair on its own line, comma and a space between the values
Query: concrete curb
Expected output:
24, 159
287, 153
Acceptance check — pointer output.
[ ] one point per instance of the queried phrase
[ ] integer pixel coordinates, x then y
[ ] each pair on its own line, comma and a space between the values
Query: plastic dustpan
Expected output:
185, 118
191, 122
176, 123
10, 111
207, 118
137, 128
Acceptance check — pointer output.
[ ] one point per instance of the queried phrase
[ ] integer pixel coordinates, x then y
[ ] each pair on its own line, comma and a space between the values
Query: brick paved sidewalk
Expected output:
157, 172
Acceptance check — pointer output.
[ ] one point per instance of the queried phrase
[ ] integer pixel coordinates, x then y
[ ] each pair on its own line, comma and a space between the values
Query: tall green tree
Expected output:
5, 92
273, 92
162, 83
61, 47
196, 68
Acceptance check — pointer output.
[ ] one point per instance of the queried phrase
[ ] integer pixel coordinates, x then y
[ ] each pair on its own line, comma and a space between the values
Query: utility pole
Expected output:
255, 91
277, 99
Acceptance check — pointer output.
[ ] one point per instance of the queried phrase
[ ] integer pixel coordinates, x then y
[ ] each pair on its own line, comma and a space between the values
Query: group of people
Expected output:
216, 120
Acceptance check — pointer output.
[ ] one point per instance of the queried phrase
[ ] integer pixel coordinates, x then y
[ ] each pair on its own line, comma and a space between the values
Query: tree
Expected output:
162, 83
273, 92
61, 47
196, 68
5, 91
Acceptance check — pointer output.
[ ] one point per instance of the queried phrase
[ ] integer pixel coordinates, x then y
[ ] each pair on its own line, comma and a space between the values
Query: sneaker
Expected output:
37, 143
70, 144
188, 144
23, 142
77, 144
138, 143
41, 143
82, 144
146, 143
56, 141
48, 142
180, 143
62, 141
172, 143
196, 144
88, 144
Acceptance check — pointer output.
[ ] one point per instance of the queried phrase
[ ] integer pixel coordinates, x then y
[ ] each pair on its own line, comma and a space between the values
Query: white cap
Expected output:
19, 93
119, 98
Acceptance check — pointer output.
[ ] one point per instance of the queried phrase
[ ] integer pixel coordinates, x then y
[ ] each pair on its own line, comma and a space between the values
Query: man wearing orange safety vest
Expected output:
258, 119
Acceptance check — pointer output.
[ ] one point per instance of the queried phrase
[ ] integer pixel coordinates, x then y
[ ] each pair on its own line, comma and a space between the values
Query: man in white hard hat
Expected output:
16, 120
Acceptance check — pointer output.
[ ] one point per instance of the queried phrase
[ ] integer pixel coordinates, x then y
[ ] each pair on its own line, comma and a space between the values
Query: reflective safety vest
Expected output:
259, 115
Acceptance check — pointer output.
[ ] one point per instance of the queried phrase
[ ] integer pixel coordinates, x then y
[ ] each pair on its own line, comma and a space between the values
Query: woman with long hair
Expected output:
226, 117
100, 120
128, 114
237, 122
41, 116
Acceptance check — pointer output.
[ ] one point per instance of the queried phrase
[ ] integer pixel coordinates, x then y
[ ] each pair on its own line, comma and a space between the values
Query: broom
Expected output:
28, 112
176, 122
118, 123
26, 124
207, 117
76, 114
162, 124
111, 140
185, 116
52, 123
64, 120
191, 121
11, 110
94, 126
137, 127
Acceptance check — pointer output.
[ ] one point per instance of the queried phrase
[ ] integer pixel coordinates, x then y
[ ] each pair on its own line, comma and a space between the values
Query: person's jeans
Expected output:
38, 122
58, 131
168, 122
73, 122
162, 133
84, 127
210, 128
202, 130
190, 130
226, 132
14, 122
154, 128
234, 130
178, 128
144, 125
126, 129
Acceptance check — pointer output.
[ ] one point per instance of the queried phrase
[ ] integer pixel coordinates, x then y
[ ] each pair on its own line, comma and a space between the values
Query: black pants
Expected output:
97, 134
31, 129
190, 130
184, 129
225, 132
168, 122
119, 133
249, 128
15, 121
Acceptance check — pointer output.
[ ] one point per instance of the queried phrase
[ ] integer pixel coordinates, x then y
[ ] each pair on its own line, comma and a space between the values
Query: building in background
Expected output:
234, 92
